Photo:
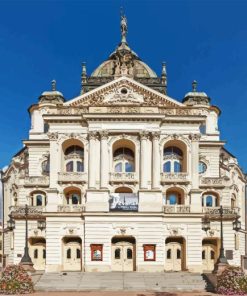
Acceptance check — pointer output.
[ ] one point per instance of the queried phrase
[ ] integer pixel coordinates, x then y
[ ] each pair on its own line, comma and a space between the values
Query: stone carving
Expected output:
92, 135
144, 135
67, 111
169, 209
195, 137
123, 95
104, 134
38, 181
155, 135
123, 177
52, 136
183, 111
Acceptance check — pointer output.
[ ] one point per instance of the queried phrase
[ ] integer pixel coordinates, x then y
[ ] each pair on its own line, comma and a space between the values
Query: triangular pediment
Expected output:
123, 91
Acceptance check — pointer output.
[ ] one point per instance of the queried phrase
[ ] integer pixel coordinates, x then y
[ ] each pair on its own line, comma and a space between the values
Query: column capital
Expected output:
155, 135
104, 134
52, 136
194, 137
92, 135
144, 135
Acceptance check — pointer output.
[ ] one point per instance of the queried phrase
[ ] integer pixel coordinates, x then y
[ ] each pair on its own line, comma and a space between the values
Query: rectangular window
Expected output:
149, 252
96, 252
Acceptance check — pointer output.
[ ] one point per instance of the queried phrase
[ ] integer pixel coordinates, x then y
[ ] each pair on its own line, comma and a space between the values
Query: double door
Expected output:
72, 257
173, 256
38, 256
208, 257
123, 256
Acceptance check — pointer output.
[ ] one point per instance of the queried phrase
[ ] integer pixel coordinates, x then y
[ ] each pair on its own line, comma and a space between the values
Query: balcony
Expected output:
70, 208
228, 212
174, 177
123, 177
213, 182
177, 209
41, 181
74, 177
33, 212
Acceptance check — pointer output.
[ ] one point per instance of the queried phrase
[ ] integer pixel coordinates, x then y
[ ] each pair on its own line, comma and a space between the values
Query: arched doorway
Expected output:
175, 254
72, 254
123, 253
210, 253
37, 251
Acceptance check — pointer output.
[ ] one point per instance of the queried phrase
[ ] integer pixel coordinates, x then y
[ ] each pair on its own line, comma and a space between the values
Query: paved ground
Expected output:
152, 283
121, 293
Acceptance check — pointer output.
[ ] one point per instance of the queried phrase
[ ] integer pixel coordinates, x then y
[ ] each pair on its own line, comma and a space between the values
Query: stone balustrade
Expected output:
37, 181
174, 177
70, 208
179, 209
213, 182
215, 211
123, 177
76, 177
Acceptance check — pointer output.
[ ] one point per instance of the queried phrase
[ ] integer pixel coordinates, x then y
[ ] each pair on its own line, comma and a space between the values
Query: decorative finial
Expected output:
83, 76
53, 85
84, 69
164, 77
194, 85
123, 26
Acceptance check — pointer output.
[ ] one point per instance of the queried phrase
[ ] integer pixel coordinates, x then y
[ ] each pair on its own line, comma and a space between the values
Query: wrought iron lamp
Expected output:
11, 223
236, 225
41, 224
206, 224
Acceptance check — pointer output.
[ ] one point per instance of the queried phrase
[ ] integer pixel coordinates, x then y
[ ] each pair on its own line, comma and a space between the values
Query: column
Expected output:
55, 167
143, 172
104, 160
156, 161
92, 157
195, 160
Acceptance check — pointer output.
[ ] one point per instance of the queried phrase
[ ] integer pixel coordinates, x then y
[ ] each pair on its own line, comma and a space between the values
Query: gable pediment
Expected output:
123, 92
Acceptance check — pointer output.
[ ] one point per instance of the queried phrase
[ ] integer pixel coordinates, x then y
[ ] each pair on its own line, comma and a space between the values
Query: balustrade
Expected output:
123, 177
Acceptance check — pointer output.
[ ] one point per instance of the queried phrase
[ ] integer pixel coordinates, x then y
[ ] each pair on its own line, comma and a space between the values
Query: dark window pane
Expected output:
178, 254
212, 255
123, 151
75, 199
118, 168
78, 253
129, 167
203, 255
167, 167
117, 254
80, 166
177, 167
69, 166
69, 254
209, 201
168, 254
173, 199
35, 255
39, 199
44, 253
129, 253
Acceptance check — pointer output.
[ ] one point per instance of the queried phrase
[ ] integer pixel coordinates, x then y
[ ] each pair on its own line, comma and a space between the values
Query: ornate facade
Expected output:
124, 176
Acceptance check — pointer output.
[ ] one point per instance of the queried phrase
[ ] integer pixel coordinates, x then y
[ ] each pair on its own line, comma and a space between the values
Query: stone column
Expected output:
104, 160
195, 160
143, 171
156, 160
92, 157
54, 165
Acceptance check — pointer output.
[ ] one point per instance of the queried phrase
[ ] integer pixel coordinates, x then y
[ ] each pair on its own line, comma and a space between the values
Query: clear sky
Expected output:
45, 40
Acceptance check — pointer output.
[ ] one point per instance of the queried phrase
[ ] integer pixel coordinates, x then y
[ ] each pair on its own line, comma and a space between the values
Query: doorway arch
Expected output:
72, 253
123, 253
37, 247
175, 254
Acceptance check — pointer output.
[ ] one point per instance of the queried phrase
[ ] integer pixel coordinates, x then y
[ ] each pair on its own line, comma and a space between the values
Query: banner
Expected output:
123, 202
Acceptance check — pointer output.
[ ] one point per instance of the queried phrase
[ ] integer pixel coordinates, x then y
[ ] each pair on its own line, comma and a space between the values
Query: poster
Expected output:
123, 202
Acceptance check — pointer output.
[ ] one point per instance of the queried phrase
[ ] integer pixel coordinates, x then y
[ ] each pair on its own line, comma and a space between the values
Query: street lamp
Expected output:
41, 224
26, 260
221, 262
236, 225
11, 223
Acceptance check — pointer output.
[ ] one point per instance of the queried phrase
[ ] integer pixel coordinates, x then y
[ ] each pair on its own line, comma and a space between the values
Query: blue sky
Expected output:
45, 40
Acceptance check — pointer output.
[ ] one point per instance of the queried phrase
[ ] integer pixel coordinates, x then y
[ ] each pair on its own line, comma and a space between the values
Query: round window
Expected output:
124, 91
202, 167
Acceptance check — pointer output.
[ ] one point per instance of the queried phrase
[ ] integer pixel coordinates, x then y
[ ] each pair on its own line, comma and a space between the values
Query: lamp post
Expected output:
26, 260
221, 262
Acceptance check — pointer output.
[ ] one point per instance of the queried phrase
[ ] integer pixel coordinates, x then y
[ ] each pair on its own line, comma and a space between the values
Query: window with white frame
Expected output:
38, 200
173, 198
210, 200
124, 160
74, 159
172, 160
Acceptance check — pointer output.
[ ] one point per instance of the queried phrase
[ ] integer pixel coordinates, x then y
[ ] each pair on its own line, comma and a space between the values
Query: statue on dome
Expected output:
124, 27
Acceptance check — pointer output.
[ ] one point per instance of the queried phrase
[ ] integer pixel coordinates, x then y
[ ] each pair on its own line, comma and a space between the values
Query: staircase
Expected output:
127, 281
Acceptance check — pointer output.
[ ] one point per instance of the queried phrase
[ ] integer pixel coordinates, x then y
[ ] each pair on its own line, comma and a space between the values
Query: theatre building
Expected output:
123, 177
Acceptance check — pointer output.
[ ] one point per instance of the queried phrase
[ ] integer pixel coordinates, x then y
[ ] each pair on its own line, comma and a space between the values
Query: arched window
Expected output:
212, 254
124, 160
173, 159
78, 253
44, 254
210, 200
35, 254
129, 253
178, 254
69, 254
73, 198
46, 166
203, 255
38, 200
168, 254
173, 198
202, 167
74, 159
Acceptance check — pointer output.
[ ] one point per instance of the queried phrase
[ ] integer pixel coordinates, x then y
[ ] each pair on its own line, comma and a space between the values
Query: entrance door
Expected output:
208, 257
72, 256
38, 255
123, 256
173, 256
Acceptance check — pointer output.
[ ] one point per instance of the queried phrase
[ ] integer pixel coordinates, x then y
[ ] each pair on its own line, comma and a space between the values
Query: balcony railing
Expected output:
123, 177
70, 208
76, 177
215, 211
37, 181
179, 209
174, 177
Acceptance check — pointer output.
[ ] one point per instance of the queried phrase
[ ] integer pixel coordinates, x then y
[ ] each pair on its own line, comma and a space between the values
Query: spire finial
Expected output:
164, 77
194, 85
53, 85
123, 25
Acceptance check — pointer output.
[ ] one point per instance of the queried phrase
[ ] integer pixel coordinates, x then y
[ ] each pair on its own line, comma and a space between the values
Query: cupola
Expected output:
196, 98
53, 96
